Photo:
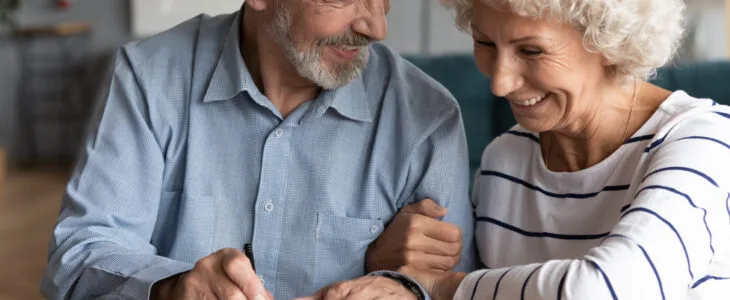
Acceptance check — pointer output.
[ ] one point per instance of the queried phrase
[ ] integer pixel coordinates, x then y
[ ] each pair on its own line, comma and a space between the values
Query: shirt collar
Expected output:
231, 76
349, 101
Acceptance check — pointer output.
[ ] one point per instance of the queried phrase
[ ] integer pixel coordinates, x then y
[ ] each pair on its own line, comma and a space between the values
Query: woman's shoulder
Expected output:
515, 144
694, 135
684, 114
680, 102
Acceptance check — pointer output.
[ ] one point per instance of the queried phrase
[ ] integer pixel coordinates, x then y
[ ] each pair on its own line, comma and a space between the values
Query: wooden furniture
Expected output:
3, 172
52, 105
27, 217
63, 29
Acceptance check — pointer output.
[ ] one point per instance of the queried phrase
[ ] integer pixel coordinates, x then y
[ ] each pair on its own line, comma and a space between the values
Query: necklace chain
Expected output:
623, 136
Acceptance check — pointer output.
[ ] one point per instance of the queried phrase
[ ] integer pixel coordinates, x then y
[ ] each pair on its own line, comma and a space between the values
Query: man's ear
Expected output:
258, 5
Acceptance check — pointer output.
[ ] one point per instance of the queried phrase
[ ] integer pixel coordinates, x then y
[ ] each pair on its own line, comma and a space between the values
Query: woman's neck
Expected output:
590, 140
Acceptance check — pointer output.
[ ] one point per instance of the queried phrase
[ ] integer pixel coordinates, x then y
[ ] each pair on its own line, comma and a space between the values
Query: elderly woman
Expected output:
609, 187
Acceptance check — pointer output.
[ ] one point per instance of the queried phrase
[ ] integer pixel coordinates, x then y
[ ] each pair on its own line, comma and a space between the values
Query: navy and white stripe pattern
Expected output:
651, 221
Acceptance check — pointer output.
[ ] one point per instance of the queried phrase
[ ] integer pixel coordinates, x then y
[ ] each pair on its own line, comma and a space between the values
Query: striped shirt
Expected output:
651, 221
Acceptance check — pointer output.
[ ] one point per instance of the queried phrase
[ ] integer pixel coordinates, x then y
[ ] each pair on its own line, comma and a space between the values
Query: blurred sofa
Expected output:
486, 116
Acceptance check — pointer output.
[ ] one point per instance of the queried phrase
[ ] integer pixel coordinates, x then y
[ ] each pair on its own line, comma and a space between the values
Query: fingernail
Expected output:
259, 297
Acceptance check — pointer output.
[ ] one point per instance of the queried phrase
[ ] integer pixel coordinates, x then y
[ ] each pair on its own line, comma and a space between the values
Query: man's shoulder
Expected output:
178, 44
404, 85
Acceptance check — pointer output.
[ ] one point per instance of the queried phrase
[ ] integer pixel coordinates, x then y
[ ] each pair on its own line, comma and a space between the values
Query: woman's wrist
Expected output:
446, 287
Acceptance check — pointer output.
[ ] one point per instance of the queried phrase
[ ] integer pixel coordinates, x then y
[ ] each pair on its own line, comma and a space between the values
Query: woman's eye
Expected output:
485, 43
531, 52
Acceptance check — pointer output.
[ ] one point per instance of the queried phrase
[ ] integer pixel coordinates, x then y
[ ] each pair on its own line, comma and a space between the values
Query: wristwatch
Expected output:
410, 285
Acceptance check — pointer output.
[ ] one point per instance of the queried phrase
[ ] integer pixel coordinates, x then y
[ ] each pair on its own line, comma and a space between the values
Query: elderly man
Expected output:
282, 127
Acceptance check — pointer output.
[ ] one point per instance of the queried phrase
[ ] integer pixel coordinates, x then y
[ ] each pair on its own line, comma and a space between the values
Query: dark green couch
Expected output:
486, 116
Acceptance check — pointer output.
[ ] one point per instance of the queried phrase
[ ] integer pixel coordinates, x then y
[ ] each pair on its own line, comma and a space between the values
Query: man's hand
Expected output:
226, 274
416, 238
368, 287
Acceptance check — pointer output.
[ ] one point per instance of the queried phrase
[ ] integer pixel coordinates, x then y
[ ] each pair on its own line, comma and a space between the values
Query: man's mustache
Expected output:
349, 38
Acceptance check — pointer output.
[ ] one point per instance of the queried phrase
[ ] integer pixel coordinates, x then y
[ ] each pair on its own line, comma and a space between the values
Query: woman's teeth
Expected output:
531, 101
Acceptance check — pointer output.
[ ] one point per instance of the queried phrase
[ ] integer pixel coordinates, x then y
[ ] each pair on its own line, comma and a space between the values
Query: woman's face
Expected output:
551, 81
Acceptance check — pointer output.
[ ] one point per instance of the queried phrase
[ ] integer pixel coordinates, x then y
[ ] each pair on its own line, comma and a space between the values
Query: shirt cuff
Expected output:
139, 286
407, 281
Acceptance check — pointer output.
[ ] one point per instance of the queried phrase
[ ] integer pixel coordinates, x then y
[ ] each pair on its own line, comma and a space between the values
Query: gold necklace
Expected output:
623, 136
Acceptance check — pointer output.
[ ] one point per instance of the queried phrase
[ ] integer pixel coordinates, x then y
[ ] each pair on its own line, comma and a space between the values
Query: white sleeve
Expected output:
663, 243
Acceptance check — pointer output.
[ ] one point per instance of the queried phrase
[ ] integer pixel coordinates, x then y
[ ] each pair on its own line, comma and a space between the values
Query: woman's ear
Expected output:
609, 68
604, 61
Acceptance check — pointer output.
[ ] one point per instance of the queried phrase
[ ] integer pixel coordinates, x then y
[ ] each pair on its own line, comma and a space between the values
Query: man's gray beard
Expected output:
309, 63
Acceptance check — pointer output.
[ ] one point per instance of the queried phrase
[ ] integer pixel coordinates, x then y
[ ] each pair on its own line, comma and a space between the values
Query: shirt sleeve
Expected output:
440, 171
101, 246
663, 243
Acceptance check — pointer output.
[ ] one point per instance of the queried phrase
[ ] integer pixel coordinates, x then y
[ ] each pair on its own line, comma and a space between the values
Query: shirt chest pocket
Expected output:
341, 246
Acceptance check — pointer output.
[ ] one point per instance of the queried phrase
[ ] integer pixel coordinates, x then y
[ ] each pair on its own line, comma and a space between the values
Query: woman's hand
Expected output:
416, 238
440, 285
364, 288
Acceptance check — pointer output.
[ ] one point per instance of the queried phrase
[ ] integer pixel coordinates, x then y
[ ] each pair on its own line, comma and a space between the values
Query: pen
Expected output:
248, 250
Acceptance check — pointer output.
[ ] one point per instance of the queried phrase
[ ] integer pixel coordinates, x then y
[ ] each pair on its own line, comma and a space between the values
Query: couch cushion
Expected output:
702, 79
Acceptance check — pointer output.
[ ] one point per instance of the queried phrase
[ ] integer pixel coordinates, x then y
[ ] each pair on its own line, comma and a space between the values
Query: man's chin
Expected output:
337, 75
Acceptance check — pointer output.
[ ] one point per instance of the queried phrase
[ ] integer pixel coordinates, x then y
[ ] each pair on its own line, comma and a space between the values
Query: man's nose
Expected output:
372, 21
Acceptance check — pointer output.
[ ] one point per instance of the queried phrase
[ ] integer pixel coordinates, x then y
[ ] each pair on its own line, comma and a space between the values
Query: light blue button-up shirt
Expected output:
186, 156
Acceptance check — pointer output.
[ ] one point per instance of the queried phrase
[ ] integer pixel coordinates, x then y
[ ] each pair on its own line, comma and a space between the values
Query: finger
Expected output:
435, 229
306, 298
431, 262
226, 289
193, 286
337, 291
427, 207
239, 270
423, 243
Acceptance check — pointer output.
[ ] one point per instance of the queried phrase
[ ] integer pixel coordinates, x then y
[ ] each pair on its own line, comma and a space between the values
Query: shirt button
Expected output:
374, 229
269, 207
262, 279
279, 132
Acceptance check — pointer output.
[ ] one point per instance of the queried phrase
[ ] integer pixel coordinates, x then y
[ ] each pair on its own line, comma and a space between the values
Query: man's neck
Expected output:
280, 83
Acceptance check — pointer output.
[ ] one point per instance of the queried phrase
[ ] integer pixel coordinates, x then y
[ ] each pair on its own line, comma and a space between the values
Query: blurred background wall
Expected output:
415, 26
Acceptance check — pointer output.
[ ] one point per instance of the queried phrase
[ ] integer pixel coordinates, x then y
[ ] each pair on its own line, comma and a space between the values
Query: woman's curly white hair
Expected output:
635, 36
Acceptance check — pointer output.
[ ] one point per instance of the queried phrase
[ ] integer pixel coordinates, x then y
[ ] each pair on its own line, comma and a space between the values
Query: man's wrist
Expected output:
406, 282
163, 289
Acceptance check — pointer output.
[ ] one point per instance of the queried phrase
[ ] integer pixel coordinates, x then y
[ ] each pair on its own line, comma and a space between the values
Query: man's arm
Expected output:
101, 244
438, 170
443, 162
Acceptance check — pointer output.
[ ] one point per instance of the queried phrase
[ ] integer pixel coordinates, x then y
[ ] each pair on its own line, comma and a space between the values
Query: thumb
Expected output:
427, 207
